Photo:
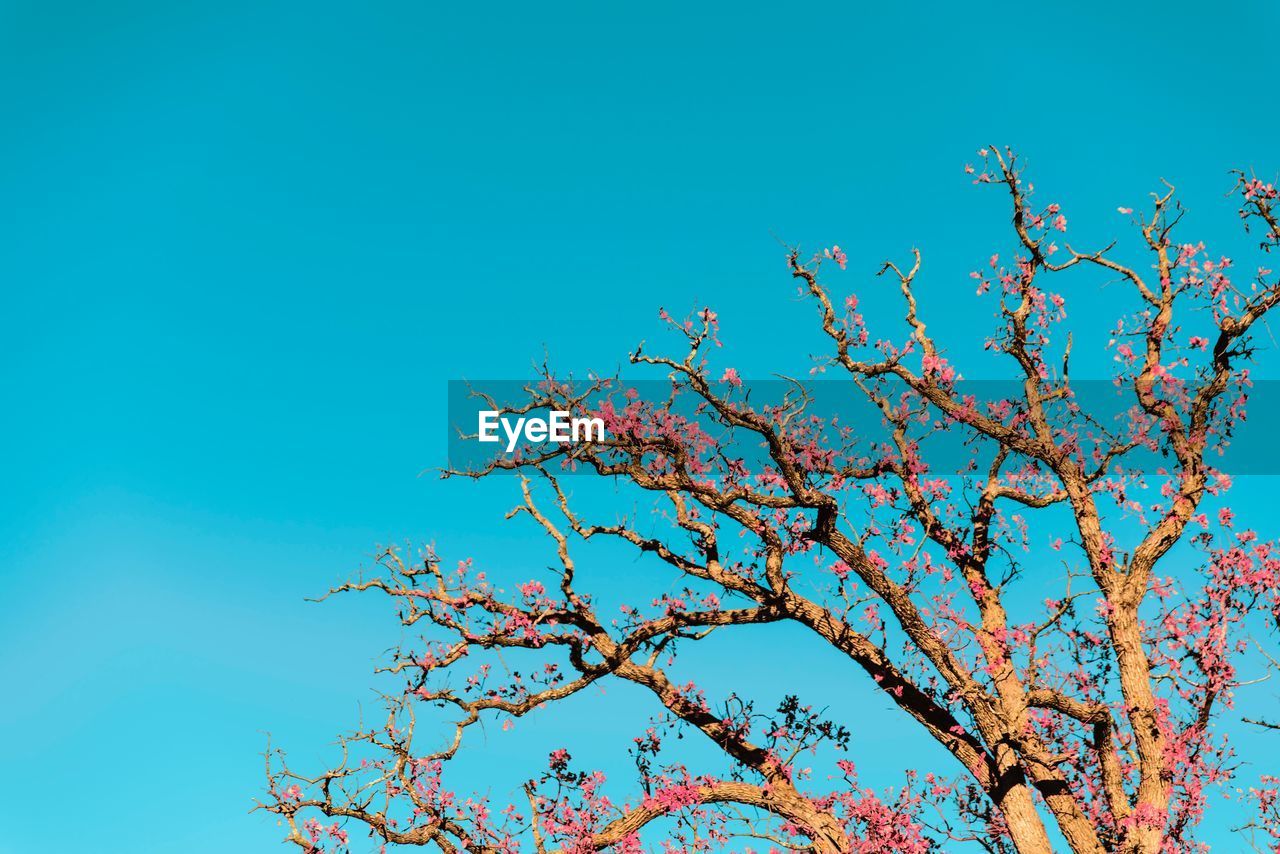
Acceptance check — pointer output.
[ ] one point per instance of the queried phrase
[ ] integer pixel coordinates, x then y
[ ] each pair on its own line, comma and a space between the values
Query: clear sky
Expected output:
246, 244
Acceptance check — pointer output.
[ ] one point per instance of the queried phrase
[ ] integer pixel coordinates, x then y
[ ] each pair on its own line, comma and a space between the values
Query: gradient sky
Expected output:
247, 244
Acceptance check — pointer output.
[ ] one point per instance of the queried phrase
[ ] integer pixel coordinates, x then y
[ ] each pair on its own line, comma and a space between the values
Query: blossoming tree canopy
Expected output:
1087, 721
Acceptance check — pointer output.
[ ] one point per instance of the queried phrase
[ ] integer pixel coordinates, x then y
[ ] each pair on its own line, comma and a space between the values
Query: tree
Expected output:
1088, 720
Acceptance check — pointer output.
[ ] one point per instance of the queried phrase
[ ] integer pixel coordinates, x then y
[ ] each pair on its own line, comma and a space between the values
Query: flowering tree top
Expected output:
1087, 721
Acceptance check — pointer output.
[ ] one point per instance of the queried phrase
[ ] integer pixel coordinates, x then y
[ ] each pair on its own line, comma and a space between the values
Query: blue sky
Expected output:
247, 245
